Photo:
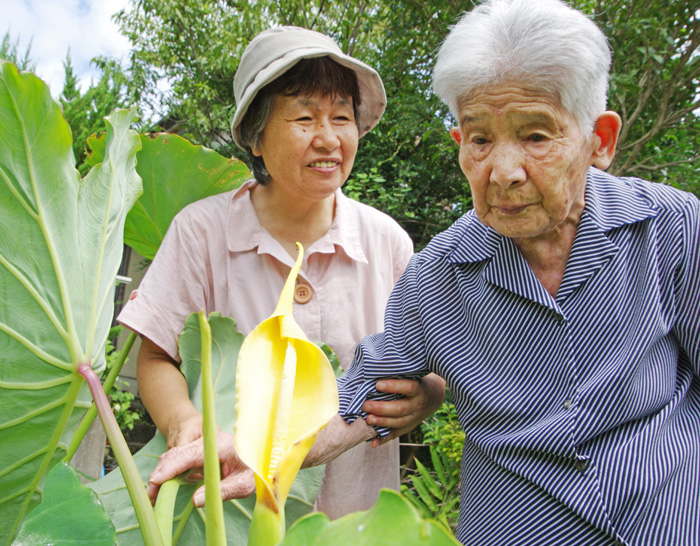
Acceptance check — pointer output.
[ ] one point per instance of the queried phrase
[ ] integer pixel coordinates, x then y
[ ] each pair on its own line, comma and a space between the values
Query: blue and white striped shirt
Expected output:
581, 412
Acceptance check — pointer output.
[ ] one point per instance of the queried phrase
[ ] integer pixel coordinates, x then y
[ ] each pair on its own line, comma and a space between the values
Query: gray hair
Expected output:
542, 44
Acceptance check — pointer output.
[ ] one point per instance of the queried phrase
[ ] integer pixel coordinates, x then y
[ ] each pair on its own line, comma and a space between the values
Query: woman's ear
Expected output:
607, 129
456, 134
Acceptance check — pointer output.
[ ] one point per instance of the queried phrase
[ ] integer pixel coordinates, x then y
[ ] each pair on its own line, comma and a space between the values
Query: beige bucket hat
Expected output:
272, 52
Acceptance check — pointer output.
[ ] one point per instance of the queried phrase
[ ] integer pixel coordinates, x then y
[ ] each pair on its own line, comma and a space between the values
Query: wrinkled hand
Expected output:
184, 431
237, 479
421, 399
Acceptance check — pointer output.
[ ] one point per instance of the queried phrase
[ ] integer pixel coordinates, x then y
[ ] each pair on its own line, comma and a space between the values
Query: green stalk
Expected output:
86, 422
186, 513
267, 526
216, 530
165, 506
132, 479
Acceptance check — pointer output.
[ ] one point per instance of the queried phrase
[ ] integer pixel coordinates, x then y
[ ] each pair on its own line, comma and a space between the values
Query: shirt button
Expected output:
581, 465
302, 293
567, 403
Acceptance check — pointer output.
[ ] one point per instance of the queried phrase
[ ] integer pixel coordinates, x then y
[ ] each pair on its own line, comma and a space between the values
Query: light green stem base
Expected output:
267, 527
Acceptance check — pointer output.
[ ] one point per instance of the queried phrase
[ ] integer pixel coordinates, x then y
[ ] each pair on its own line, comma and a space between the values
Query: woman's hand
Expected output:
184, 432
237, 479
421, 398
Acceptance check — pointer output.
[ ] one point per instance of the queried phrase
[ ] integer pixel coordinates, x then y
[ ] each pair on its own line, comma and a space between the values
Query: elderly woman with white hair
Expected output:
563, 310
302, 105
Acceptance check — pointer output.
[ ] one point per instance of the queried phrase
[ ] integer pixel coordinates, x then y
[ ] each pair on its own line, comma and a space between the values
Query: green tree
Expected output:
85, 112
655, 86
420, 183
9, 51
407, 166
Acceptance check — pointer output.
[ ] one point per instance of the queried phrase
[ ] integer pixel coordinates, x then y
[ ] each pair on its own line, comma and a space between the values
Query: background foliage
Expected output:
407, 165
185, 54
433, 486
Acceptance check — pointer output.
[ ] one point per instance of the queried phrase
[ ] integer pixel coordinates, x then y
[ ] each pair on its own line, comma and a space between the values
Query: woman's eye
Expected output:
537, 137
480, 141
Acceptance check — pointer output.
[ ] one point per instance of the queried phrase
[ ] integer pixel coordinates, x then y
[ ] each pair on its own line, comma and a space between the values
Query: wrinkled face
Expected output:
309, 144
525, 159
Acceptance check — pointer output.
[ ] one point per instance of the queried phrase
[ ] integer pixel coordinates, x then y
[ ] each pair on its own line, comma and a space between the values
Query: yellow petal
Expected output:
285, 394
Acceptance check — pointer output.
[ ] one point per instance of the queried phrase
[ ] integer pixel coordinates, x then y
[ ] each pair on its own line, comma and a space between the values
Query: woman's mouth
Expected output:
324, 164
510, 210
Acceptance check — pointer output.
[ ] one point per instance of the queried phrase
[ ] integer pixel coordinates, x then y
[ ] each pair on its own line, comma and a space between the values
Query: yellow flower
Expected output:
285, 394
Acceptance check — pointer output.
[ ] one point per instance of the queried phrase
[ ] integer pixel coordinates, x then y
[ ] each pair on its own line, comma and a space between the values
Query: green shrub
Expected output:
434, 488
121, 398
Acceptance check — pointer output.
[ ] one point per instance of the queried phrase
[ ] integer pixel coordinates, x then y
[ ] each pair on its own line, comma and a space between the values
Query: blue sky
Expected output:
54, 26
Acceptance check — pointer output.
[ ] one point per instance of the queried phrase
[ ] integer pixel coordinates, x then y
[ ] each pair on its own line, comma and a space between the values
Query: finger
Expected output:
388, 422
199, 497
152, 490
176, 461
238, 485
194, 475
407, 387
377, 442
388, 408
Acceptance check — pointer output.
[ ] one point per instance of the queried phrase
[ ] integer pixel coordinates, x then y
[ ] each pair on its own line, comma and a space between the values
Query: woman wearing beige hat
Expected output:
302, 106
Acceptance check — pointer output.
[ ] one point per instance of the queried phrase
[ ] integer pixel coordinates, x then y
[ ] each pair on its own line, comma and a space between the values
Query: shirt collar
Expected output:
611, 202
244, 232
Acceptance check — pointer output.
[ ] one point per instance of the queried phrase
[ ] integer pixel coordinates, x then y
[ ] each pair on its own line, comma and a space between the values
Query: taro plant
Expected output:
390, 522
120, 398
60, 248
188, 524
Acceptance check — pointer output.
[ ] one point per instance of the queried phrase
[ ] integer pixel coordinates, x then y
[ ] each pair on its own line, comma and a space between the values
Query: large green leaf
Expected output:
226, 344
175, 173
70, 514
392, 521
60, 248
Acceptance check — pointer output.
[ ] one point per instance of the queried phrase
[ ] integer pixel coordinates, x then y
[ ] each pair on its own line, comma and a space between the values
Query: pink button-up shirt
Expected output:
216, 256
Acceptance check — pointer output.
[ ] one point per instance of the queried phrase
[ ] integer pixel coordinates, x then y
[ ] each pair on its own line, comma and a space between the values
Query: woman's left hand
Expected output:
421, 398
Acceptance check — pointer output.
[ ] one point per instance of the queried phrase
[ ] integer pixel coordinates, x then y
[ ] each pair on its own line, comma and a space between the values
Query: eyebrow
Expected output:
523, 117
306, 101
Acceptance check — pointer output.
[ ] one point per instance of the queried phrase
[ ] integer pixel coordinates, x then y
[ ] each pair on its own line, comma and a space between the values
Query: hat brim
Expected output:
372, 94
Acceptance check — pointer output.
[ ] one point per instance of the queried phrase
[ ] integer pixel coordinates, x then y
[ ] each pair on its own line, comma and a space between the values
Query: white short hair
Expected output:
542, 44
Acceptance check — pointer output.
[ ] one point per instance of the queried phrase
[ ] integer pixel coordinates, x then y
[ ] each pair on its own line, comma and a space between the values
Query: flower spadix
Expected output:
285, 394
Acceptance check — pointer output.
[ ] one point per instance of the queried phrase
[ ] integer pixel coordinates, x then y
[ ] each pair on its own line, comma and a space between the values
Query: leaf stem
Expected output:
165, 506
216, 531
86, 422
186, 513
132, 479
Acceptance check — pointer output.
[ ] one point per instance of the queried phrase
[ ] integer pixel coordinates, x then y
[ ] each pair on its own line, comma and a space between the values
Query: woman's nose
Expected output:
326, 136
507, 166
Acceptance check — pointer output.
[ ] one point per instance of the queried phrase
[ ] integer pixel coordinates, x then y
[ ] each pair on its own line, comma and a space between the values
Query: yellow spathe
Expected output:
285, 394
